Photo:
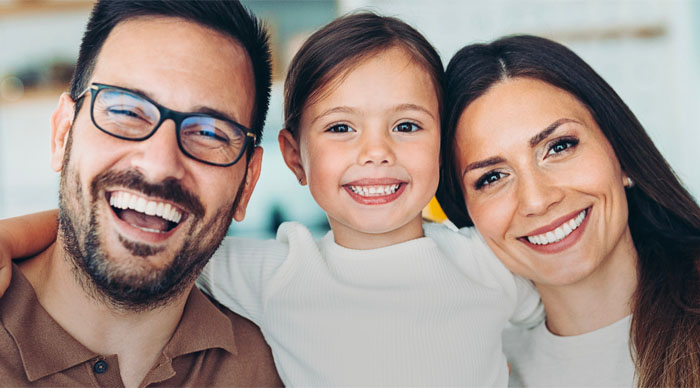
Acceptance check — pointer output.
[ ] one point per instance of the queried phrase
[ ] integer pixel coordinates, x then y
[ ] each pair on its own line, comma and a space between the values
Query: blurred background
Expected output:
648, 50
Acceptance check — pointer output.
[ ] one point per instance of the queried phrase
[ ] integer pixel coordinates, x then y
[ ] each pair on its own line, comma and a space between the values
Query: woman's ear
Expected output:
290, 152
61, 124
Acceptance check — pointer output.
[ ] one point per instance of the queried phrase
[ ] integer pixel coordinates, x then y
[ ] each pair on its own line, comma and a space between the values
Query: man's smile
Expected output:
147, 214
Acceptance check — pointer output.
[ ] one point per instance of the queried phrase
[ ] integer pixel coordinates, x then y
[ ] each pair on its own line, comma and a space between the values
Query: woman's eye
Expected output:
340, 128
562, 145
488, 178
407, 127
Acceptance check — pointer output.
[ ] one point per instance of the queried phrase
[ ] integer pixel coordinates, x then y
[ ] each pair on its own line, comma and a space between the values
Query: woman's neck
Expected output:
600, 299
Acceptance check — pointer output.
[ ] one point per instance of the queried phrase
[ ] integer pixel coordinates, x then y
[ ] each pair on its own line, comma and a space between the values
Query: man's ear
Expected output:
292, 157
61, 124
254, 166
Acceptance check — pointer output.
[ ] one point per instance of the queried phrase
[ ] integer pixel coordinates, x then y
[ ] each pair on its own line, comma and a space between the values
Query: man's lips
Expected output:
150, 215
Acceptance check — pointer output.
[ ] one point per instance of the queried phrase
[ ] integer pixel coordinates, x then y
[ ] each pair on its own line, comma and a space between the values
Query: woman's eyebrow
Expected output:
533, 142
482, 163
548, 131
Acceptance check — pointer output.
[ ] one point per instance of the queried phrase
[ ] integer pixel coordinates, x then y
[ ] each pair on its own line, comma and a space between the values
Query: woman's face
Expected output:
542, 183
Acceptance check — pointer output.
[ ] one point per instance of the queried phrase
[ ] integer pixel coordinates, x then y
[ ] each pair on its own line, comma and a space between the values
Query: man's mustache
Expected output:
169, 189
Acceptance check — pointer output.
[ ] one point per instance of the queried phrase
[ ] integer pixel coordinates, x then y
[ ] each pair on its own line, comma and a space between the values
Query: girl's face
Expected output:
542, 184
369, 149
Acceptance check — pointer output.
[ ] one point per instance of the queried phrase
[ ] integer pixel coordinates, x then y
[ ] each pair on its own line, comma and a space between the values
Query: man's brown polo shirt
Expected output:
211, 346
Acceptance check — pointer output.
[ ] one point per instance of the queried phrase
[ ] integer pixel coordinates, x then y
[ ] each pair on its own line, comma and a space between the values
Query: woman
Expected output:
565, 186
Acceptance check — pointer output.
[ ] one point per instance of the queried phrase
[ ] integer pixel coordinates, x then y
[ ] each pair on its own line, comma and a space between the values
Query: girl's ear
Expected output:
61, 124
292, 157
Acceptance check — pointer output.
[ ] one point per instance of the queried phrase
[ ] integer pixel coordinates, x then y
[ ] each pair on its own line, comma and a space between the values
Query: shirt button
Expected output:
100, 367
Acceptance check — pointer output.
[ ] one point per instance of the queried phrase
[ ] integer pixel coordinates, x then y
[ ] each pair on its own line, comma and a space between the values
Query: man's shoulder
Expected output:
251, 363
245, 331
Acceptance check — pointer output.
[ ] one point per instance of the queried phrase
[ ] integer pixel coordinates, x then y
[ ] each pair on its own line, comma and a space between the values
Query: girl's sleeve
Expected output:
529, 310
240, 272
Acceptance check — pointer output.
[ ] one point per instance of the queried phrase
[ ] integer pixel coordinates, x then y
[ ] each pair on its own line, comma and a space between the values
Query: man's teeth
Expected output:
367, 191
124, 200
559, 233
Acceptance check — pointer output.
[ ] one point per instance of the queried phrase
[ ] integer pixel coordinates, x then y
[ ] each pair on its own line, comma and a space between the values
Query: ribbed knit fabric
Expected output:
427, 312
600, 358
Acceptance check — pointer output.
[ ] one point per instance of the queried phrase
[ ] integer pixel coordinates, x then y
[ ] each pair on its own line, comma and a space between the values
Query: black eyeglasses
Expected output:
128, 115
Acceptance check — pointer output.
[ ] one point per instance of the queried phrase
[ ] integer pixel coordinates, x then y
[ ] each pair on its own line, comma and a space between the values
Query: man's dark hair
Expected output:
227, 17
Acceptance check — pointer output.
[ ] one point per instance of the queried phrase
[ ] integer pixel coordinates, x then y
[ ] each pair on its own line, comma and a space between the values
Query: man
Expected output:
155, 157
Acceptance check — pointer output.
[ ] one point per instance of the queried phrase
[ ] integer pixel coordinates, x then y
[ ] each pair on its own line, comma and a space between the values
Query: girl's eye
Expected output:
489, 178
340, 128
407, 127
562, 145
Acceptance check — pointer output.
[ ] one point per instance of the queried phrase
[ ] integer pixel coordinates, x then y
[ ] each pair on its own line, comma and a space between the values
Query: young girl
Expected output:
382, 299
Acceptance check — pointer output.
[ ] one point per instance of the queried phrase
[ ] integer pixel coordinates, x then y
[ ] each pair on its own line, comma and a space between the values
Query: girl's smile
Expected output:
368, 147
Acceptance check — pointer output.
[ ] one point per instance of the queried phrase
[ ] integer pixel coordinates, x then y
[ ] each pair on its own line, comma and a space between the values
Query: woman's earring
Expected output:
630, 183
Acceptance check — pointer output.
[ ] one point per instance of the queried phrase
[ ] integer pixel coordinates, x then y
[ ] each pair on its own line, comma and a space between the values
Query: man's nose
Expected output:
376, 147
159, 157
537, 192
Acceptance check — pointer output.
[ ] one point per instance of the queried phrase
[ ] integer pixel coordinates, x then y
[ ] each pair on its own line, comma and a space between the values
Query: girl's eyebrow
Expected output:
397, 108
337, 109
533, 142
404, 107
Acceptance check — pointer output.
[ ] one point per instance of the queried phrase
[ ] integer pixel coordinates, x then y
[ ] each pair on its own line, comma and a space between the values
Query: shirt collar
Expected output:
46, 348
202, 326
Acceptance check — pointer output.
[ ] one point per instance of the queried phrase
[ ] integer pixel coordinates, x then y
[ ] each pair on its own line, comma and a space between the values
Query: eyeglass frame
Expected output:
165, 114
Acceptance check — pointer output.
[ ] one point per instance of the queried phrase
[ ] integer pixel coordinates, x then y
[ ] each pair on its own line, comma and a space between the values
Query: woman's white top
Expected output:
600, 358
426, 312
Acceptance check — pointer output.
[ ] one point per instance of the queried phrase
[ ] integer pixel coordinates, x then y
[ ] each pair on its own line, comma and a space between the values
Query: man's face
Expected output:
139, 261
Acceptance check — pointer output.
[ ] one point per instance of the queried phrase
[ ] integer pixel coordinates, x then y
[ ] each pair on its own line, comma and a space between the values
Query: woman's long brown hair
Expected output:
664, 218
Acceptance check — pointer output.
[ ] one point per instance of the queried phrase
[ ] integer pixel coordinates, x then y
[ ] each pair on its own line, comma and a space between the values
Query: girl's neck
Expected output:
348, 237
599, 300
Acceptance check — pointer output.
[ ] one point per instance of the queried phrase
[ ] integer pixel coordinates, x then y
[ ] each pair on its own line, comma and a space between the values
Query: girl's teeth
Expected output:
375, 190
559, 233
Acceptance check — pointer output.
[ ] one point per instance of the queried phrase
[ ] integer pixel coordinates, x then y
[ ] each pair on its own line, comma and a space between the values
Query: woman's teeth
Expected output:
124, 200
559, 233
370, 191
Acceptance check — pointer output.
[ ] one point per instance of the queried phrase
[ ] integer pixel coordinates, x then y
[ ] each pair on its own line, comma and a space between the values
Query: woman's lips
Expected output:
560, 234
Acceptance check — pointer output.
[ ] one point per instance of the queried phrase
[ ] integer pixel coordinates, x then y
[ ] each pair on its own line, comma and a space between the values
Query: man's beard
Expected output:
125, 285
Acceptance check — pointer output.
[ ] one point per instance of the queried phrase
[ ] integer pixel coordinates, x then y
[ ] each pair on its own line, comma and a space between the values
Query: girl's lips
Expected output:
375, 195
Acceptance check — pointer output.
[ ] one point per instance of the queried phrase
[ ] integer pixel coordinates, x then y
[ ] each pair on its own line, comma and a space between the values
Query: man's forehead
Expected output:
181, 64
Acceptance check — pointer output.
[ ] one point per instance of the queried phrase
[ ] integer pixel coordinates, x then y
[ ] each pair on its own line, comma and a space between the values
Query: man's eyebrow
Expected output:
548, 131
213, 112
403, 107
337, 109
197, 109
482, 164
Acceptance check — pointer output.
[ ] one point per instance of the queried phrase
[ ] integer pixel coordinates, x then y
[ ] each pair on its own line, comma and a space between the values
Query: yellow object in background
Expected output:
433, 212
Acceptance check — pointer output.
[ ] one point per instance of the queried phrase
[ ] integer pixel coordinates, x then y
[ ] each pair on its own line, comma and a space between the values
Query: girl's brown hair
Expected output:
664, 218
343, 43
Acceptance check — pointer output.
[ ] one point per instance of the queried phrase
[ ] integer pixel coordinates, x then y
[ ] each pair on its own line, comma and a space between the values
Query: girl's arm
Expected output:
22, 237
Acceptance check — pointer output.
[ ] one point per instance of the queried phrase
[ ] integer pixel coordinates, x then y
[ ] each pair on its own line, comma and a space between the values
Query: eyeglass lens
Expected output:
203, 137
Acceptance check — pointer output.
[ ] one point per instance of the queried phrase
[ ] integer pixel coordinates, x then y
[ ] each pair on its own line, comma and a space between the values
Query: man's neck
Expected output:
137, 338
599, 300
